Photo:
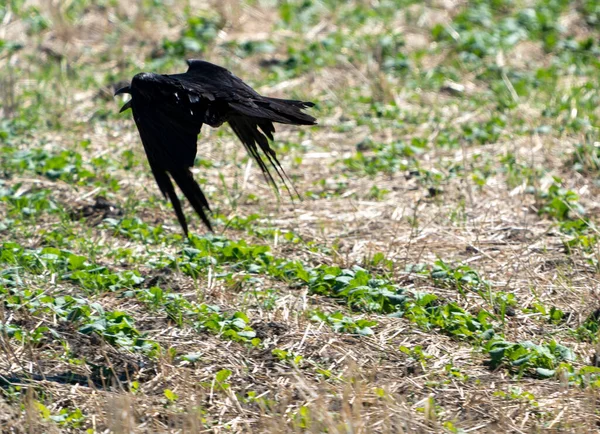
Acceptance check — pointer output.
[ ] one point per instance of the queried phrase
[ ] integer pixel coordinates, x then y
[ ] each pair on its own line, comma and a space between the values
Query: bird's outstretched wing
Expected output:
169, 136
169, 111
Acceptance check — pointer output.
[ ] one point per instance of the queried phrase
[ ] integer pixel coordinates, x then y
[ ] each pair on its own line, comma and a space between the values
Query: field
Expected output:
438, 274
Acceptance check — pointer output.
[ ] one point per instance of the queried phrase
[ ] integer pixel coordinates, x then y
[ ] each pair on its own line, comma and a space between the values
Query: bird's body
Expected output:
169, 111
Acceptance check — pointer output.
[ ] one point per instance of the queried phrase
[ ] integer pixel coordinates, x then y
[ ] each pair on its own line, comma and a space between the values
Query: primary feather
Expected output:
169, 111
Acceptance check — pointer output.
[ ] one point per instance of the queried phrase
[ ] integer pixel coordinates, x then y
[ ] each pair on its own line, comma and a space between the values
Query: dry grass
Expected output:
374, 386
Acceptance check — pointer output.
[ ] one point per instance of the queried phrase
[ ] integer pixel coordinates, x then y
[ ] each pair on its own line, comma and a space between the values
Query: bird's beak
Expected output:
126, 106
121, 91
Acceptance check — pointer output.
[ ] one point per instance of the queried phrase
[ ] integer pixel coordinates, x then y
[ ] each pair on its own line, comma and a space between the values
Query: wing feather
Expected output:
246, 129
168, 191
169, 135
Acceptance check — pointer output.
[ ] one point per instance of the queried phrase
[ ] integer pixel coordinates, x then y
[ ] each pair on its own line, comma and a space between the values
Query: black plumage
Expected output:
169, 111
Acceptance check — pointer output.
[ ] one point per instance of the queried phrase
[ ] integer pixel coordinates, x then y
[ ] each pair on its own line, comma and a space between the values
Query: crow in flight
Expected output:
169, 111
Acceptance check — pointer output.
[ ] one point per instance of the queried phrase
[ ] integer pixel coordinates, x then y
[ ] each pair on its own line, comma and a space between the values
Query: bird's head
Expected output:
121, 91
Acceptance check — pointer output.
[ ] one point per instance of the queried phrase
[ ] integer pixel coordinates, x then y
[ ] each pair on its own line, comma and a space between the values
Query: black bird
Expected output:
169, 111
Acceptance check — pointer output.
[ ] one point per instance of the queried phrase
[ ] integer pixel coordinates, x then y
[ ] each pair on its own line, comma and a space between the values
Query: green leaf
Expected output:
545, 373
222, 375
76, 262
44, 411
488, 334
170, 395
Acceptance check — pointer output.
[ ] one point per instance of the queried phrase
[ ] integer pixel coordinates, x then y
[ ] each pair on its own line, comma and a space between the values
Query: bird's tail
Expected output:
283, 111
291, 109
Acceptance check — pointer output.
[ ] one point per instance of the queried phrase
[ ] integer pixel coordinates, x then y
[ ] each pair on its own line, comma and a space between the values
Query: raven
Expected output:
169, 111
